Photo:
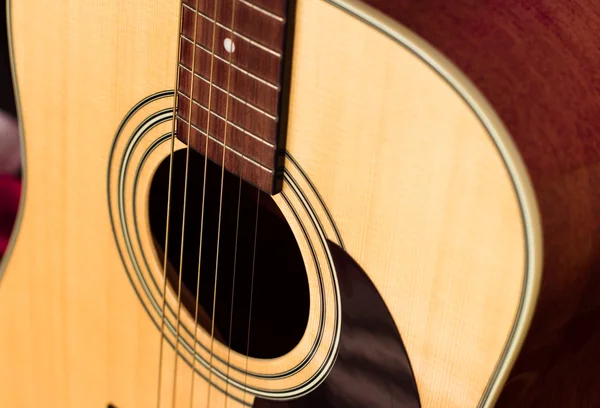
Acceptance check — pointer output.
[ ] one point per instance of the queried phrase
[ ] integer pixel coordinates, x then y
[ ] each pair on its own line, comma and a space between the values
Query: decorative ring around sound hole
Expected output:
141, 141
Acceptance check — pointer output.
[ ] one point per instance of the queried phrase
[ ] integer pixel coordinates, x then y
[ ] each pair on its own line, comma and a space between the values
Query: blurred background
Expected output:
10, 179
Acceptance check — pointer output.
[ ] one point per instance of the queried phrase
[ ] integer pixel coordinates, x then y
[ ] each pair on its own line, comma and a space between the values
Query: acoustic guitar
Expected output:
277, 203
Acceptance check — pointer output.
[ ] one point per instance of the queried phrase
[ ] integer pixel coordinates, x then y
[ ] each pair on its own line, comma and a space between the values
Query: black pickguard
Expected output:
372, 369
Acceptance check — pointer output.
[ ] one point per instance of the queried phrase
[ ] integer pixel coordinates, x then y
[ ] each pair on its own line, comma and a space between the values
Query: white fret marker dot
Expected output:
229, 45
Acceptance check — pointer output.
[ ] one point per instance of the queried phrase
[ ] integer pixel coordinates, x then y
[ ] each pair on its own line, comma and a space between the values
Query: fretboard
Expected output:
243, 78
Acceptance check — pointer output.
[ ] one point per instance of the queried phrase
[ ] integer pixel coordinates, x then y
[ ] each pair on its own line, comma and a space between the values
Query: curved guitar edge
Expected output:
372, 368
16, 226
515, 167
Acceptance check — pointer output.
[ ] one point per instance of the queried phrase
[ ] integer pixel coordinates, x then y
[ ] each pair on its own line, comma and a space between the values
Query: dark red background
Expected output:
9, 185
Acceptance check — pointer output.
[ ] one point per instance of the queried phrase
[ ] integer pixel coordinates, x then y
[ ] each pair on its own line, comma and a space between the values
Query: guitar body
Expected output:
400, 179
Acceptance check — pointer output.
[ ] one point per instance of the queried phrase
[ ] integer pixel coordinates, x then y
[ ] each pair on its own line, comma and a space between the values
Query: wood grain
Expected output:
277, 7
234, 161
251, 74
249, 22
237, 138
537, 63
241, 84
415, 185
240, 112
251, 58
422, 164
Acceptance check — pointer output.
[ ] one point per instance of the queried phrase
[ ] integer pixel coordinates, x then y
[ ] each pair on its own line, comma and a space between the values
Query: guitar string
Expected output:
214, 305
251, 294
165, 260
210, 89
185, 190
247, 357
235, 259
237, 229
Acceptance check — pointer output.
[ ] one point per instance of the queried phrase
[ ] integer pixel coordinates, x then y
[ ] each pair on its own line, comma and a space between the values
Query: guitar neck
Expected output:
231, 83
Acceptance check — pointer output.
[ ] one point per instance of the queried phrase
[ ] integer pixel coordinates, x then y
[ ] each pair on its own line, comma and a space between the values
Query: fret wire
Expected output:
243, 37
228, 121
242, 70
262, 10
214, 139
237, 98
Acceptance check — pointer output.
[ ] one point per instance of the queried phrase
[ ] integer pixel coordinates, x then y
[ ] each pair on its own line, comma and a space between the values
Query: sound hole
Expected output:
280, 296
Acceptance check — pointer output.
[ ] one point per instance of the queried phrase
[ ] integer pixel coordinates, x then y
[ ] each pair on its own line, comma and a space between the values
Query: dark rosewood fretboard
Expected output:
248, 63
